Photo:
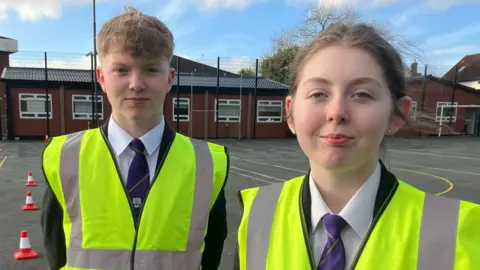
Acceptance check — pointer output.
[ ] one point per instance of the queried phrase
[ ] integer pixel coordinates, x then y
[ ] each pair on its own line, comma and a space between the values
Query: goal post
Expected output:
451, 106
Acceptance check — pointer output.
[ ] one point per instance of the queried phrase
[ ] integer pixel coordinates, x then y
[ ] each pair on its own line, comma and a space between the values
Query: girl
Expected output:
350, 211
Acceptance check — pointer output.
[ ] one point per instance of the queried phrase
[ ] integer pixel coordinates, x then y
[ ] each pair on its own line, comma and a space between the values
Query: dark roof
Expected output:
446, 83
85, 76
468, 69
188, 66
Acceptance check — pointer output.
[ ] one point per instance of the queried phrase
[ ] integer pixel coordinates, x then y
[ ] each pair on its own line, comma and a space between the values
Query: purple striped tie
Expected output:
138, 179
333, 256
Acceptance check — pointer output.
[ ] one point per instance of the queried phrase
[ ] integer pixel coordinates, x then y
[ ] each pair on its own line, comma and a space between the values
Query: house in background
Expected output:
467, 71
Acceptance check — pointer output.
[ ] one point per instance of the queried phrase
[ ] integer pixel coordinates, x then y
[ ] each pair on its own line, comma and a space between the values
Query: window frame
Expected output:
237, 102
446, 118
35, 97
269, 103
413, 115
174, 116
89, 99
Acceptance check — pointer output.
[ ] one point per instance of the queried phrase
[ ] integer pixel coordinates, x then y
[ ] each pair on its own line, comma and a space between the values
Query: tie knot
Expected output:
137, 145
334, 224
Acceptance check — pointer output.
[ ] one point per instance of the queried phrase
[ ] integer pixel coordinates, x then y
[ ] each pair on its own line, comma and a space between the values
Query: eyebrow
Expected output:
360, 80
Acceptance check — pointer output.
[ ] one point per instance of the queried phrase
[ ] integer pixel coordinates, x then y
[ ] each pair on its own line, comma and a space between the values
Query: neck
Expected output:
337, 187
137, 127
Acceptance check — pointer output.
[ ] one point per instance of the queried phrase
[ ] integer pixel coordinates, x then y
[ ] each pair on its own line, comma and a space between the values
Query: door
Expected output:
472, 121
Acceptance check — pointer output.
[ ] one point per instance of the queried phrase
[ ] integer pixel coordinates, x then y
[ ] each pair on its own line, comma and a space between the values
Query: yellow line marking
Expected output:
254, 178
3, 161
450, 184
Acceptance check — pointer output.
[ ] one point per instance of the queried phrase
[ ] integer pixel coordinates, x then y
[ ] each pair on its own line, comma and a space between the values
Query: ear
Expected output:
404, 105
171, 78
100, 77
288, 110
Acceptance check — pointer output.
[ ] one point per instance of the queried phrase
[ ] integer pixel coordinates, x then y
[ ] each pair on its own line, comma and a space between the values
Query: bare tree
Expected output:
317, 19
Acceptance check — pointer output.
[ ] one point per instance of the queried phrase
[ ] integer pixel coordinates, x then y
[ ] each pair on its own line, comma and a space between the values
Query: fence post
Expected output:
423, 97
218, 93
255, 101
47, 109
177, 104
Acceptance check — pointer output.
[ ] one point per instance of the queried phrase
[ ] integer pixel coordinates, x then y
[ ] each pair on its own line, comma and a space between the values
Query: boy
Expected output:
95, 211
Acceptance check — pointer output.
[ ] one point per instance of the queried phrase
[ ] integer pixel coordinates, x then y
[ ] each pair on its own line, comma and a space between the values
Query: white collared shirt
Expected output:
358, 213
120, 140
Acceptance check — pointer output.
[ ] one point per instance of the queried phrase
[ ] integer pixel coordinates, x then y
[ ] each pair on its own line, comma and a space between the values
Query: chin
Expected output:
334, 158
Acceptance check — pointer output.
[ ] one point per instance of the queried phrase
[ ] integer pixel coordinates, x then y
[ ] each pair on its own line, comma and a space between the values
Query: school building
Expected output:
248, 107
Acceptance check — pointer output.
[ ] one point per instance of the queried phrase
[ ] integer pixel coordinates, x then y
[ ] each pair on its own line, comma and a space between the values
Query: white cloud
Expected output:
174, 14
462, 49
454, 37
446, 4
64, 62
34, 10
229, 4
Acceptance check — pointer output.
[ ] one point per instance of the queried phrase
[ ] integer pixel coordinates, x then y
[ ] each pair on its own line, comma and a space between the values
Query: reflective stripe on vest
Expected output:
79, 257
437, 236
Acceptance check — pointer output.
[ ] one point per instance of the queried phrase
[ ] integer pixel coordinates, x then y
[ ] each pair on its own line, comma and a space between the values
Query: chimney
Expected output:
414, 67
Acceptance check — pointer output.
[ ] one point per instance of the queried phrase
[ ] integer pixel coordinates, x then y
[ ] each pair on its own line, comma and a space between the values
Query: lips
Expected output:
336, 136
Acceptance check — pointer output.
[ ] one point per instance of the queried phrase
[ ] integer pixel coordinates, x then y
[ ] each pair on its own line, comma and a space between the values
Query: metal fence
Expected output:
211, 89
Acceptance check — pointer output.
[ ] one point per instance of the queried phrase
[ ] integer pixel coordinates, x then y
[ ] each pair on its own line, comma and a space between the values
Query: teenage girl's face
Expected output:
342, 108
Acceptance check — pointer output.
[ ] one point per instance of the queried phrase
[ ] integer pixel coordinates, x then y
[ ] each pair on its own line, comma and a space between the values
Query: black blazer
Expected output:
52, 218
387, 187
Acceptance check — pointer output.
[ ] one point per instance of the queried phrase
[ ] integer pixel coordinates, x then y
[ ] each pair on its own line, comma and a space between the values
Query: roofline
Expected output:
448, 83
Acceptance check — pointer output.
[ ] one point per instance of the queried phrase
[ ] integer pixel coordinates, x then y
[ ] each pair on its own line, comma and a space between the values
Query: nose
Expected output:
136, 81
336, 111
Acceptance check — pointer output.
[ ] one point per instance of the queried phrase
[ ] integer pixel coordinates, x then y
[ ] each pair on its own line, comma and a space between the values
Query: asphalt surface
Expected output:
448, 166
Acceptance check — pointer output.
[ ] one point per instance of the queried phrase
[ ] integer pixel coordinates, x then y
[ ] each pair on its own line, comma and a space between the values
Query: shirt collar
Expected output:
358, 212
120, 139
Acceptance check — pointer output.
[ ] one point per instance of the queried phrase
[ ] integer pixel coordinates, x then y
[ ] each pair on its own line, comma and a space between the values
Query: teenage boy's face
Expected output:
136, 87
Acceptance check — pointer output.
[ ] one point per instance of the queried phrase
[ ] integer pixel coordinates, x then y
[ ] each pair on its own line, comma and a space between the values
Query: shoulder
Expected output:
289, 187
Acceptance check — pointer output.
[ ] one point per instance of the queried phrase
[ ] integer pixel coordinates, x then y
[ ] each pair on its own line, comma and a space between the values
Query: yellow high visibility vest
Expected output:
98, 221
416, 231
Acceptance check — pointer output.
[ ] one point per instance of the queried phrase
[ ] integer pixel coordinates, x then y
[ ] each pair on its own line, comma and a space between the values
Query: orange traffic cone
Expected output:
29, 204
46, 137
25, 252
30, 182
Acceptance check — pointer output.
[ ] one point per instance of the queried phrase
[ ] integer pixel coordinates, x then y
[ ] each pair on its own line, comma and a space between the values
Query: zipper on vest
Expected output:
305, 233
122, 183
374, 223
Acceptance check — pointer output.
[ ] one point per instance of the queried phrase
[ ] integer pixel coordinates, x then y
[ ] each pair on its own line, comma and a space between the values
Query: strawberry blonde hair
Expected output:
137, 33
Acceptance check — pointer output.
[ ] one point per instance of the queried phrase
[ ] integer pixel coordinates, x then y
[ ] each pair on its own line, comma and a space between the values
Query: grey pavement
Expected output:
436, 165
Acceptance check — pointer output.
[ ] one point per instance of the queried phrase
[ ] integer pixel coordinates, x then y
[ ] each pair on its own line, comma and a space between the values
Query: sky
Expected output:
237, 31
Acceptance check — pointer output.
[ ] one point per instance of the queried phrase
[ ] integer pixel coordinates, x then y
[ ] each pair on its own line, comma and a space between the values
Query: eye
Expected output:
363, 95
317, 95
120, 70
153, 70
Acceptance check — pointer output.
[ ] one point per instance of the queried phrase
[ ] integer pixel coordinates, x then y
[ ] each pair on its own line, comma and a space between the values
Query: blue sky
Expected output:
236, 30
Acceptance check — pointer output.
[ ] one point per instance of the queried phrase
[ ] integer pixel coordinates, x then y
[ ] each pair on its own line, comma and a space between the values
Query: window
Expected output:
183, 109
413, 114
82, 107
229, 110
447, 112
33, 106
269, 111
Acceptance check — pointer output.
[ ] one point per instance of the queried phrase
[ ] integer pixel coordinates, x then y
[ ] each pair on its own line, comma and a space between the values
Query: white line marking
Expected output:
276, 166
436, 152
431, 154
260, 174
